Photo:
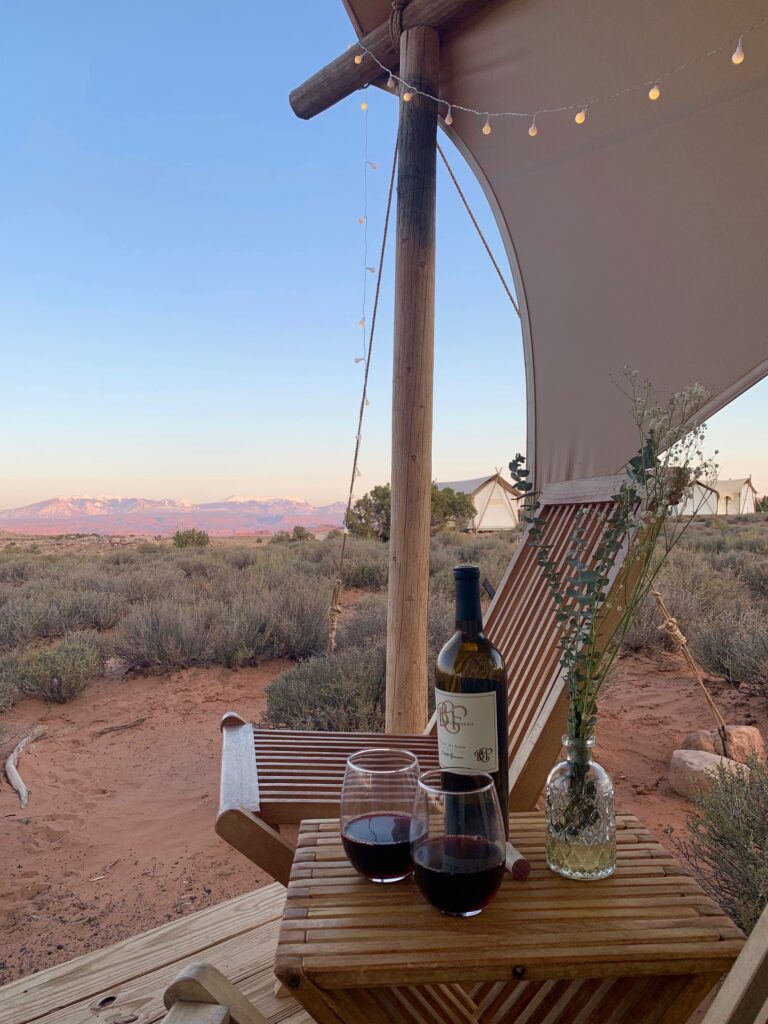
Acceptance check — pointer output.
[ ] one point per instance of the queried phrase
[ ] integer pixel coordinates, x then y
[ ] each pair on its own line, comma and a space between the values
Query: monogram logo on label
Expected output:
483, 754
450, 715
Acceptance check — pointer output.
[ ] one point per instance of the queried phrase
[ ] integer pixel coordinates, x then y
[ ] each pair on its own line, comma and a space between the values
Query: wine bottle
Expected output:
471, 694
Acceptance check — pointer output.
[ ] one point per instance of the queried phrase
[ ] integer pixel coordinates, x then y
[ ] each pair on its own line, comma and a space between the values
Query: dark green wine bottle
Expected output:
471, 694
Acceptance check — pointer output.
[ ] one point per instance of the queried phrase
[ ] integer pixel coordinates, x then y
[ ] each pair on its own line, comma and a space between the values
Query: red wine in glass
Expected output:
459, 874
378, 845
376, 810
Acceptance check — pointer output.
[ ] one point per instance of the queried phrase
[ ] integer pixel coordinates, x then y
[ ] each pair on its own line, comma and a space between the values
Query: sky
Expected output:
182, 267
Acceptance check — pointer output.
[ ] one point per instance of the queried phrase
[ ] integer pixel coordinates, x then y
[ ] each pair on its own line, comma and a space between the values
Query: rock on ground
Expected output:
742, 740
693, 770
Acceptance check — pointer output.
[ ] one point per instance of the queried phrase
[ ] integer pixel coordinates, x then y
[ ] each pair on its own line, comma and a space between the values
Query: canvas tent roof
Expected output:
637, 238
470, 486
732, 486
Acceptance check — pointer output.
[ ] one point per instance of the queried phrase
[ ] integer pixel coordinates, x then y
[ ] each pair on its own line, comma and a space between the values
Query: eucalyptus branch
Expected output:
640, 520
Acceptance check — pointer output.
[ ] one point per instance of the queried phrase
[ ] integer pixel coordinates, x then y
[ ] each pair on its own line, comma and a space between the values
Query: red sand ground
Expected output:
118, 835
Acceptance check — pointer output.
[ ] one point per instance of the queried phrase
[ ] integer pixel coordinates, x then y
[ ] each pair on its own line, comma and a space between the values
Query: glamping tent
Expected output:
725, 498
623, 151
495, 500
700, 500
735, 497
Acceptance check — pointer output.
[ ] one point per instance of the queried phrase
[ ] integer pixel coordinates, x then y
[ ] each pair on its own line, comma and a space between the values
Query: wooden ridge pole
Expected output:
406, 687
342, 76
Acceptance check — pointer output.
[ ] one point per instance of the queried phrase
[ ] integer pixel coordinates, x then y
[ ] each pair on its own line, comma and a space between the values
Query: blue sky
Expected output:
181, 266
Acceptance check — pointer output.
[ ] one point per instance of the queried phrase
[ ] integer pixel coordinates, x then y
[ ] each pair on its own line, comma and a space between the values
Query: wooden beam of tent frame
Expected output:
343, 75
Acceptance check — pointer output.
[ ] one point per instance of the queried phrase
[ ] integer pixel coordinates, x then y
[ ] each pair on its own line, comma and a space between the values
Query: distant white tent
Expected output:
735, 497
724, 498
495, 500
700, 500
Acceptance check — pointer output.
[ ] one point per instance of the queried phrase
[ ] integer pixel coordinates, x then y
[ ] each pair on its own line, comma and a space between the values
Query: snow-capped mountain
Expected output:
108, 514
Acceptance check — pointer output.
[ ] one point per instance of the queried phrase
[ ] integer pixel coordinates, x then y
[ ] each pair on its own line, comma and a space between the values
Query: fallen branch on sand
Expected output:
119, 728
10, 765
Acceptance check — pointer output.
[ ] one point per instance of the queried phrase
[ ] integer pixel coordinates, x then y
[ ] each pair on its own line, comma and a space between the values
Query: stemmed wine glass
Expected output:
457, 841
376, 808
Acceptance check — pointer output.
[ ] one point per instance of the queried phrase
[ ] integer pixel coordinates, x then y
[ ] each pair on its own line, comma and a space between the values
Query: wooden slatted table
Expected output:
645, 945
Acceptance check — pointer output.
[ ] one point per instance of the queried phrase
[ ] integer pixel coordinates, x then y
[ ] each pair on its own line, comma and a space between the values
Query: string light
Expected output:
371, 164
577, 110
371, 270
361, 220
361, 322
487, 129
359, 359
363, 105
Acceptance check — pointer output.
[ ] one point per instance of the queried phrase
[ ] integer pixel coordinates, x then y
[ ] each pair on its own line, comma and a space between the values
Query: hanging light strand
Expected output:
652, 86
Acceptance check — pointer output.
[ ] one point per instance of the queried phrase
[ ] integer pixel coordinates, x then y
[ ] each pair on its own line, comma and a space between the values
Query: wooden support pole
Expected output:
342, 76
406, 699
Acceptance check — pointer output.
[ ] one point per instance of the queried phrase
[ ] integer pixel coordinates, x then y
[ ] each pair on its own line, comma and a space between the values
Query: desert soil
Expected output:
118, 835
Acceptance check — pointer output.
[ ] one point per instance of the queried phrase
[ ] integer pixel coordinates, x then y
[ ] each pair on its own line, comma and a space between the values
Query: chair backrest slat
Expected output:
521, 623
743, 999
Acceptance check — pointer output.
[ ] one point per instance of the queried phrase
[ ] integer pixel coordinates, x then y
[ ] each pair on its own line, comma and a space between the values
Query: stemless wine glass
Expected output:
376, 807
457, 841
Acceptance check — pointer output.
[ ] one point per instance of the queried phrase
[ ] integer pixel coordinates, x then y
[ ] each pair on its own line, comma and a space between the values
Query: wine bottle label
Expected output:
467, 739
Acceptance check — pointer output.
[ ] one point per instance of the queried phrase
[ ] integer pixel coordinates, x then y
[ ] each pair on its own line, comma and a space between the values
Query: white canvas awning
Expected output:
637, 238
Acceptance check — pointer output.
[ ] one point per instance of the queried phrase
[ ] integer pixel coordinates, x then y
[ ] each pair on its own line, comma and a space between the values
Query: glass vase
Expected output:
580, 815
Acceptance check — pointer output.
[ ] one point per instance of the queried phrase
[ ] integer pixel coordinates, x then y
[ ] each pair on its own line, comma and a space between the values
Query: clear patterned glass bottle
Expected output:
580, 815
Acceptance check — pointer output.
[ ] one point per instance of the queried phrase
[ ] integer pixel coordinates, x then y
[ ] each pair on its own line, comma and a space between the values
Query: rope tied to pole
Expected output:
396, 22
671, 627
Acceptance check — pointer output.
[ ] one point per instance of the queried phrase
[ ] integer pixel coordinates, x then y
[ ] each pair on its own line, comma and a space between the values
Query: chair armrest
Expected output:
201, 983
239, 788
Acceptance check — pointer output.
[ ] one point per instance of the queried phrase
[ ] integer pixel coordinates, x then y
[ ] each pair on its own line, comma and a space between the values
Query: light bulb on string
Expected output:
358, 58
737, 57
371, 270
361, 220
487, 129
407, 97
361, 322
391, 81
581, 116
449, 115
367, 401
372, 165
654, 92
533, 131
363, 105
359, 359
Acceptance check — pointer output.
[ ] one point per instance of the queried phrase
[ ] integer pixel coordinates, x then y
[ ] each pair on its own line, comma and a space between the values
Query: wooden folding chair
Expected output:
743, 999
201, 994
273, 777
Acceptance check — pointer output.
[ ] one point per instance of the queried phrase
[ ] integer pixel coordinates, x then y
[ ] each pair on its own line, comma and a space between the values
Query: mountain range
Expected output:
109, 515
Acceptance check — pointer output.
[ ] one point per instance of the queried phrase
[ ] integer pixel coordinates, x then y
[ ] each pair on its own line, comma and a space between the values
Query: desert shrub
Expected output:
734, 644
123, 556
16, 569
298, 607
367, 627
59, 673
242, 558
165, 634
191, 539
727, 843
9, 681
242, 632
342, 693
149, 548
302, 533
281, 537
366, 564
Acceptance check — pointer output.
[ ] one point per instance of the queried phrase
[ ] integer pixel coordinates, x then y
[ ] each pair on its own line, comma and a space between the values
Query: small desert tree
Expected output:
191, 539
371, 515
